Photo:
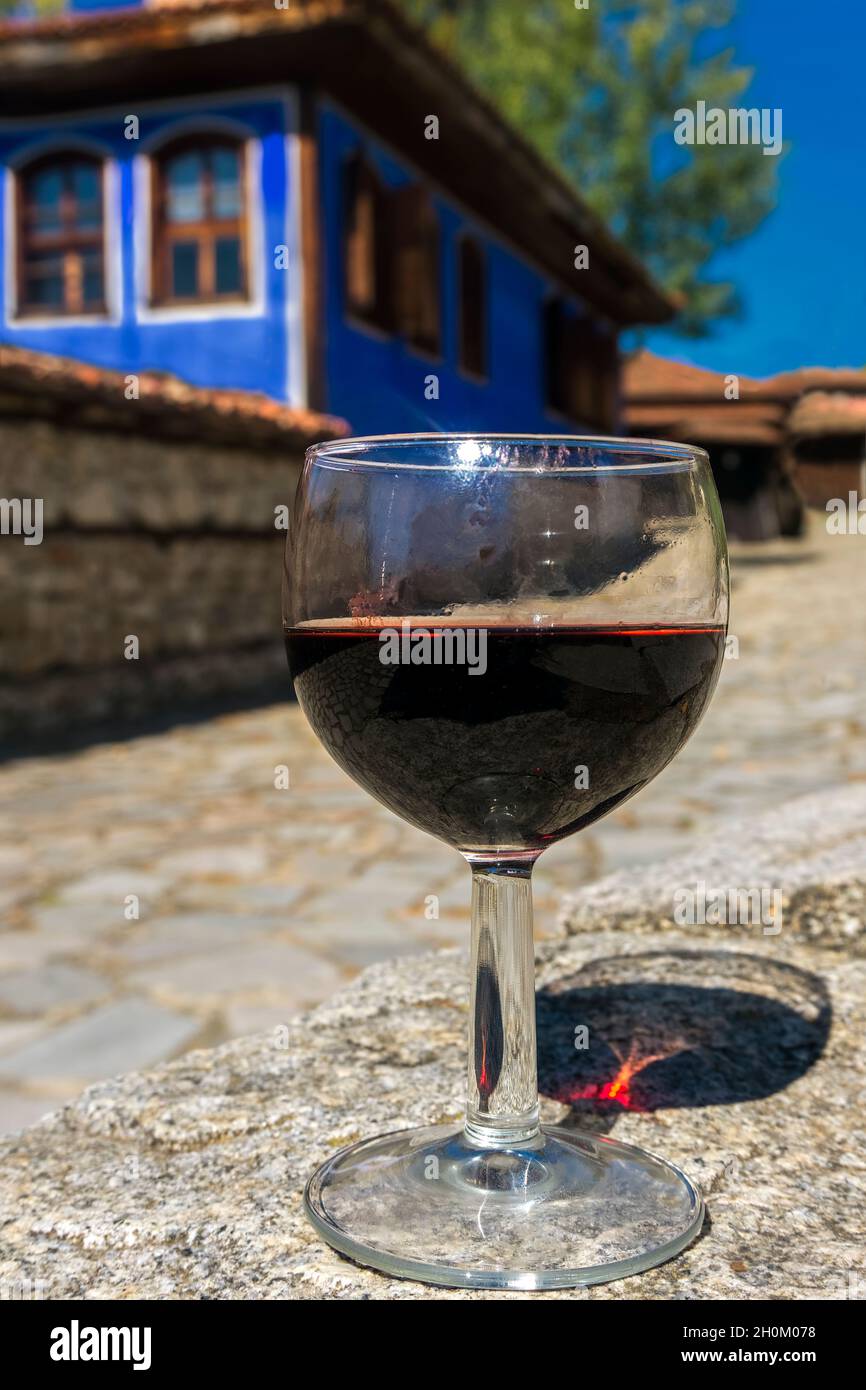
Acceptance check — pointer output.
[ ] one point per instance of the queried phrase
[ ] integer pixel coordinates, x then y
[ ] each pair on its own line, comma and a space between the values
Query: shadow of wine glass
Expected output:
667, 1029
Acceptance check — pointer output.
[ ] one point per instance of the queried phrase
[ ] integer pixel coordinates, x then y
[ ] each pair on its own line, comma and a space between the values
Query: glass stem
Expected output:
502, 1107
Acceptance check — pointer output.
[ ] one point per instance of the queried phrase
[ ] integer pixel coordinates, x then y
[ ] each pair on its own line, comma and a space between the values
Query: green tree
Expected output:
596, 90
29, 8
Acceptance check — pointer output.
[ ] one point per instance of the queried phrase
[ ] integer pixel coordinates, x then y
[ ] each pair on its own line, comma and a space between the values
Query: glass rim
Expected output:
622, 453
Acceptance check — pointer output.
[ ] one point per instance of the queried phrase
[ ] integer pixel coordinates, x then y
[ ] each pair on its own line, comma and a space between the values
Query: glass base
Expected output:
561, 1209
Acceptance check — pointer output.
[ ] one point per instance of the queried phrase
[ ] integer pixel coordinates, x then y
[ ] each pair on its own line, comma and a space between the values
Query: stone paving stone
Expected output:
24, 949
363, 948
19, 1110
448, 931
77, 922
115, 885
188, 933
332, 933
450, 927
271, 901
28, 992
346, 908
241, 860
14, 1035
454, 888
384, 888
272, 968
122, 1036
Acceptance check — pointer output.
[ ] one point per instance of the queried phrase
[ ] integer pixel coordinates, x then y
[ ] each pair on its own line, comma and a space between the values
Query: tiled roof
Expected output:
827, 413
94, 396
791, 385
677, 401
649, 377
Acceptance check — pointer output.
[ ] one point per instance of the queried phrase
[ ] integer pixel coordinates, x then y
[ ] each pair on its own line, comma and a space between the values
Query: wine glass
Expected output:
502, 638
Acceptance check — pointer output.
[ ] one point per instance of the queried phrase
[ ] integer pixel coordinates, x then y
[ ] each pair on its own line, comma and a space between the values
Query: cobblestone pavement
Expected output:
253, 902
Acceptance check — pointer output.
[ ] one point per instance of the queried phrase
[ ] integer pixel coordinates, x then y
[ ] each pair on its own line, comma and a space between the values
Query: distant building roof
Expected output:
649, 377
365, 53
827, 413
95, 397
791, 385
677, 401
683, 402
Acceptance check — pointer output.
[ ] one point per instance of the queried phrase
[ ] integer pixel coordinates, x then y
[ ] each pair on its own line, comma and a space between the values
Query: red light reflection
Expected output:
618, 1089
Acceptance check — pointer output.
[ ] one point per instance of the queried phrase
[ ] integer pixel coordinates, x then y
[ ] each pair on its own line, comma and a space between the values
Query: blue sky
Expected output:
802, 275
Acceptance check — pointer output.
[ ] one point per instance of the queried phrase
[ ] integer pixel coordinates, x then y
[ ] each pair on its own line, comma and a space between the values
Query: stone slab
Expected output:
132, 1032
813, 852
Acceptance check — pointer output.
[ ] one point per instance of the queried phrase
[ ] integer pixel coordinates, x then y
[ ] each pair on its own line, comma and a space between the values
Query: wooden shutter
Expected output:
365, 251
473, 310
556, 357
415, 268
584, 375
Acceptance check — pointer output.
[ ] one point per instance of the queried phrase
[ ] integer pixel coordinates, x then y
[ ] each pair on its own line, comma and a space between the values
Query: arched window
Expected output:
61, 248
199, 221
472, 293
365, 246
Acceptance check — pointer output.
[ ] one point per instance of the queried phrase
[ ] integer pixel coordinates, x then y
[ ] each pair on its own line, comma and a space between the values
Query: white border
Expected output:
296, 375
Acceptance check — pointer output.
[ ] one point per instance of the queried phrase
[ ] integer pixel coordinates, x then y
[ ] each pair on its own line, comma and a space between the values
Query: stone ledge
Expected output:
186, 1181
812, 850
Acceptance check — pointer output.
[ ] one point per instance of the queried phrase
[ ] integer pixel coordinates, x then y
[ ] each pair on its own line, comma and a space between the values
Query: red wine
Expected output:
516, 745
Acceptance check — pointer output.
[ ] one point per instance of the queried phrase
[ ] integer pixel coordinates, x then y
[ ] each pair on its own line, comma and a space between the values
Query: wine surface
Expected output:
532, 735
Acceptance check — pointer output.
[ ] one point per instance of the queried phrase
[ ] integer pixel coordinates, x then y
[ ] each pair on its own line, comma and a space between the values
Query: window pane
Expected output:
84, 186
92, 278
43, 281
225, 166
184, 188
184, 269
228, 265
43, 193
85, 182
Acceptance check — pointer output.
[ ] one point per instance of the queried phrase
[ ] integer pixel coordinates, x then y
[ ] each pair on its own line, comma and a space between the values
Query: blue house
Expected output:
300, 198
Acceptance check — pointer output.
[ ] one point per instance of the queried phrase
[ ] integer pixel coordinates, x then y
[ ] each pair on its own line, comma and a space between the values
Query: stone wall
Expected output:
167, 539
